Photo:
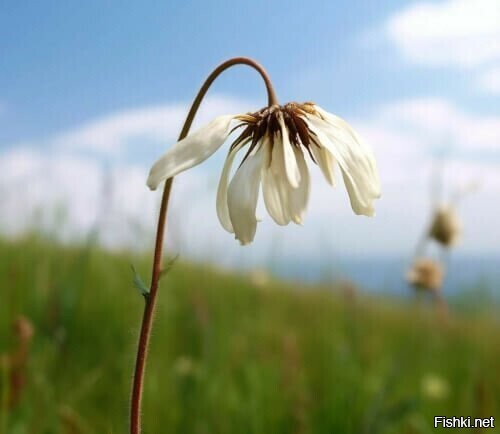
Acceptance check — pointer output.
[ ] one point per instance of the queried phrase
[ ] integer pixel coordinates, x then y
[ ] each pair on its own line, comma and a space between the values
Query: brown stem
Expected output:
149, 307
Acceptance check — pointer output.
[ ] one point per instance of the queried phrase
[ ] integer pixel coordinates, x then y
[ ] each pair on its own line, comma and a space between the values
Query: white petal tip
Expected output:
151, 185
366, 213
281, 223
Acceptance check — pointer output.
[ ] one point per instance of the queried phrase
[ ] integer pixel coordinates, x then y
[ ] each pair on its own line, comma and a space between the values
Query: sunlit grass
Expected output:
229, 355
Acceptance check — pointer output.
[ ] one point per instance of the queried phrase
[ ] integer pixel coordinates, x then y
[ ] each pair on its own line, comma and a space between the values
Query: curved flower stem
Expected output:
149, 308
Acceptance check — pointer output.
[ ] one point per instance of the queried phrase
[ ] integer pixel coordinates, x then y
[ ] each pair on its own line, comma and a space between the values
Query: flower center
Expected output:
274, 121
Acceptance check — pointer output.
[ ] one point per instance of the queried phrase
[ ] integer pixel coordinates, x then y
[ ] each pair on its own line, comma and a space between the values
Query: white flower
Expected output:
276, 140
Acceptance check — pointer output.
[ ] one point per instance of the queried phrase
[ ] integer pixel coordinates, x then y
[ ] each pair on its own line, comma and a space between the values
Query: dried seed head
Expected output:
445, 227
426, 273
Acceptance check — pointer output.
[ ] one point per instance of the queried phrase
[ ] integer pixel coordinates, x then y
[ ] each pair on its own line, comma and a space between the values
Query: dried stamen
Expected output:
266, 122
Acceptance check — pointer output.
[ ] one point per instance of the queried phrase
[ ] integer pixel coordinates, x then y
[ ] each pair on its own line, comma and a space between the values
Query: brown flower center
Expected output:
266, 122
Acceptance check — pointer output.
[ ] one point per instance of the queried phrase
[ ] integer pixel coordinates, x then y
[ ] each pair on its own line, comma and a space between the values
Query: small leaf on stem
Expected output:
168, 267
139, 283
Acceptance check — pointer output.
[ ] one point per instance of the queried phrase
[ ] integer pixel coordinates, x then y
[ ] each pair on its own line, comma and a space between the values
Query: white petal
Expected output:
291, 168
354, 158
299, 197
190, 151
222, 208
343, 132
242, 196
360, 203
275, 184
325, 161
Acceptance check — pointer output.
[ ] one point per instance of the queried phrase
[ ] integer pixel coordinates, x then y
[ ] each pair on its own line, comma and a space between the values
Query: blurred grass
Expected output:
230, 354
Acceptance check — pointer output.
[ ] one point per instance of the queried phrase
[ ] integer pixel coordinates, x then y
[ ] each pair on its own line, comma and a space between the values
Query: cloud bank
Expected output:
459, 34
56, 184
462, 33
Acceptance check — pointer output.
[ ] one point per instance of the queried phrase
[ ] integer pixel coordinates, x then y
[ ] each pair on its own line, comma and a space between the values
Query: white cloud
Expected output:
489, 81
112, 134
463, 33
404, 135
70, 196
439, 123
116, 199
43, 181
53, 176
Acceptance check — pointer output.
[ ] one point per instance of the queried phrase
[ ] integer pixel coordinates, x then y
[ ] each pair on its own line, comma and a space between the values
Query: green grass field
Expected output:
228, 355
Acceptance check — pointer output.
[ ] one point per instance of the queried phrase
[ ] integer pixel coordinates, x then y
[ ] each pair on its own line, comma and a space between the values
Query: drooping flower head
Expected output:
275, 142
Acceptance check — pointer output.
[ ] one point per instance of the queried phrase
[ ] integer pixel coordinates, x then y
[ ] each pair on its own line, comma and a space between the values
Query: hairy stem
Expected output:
150, 299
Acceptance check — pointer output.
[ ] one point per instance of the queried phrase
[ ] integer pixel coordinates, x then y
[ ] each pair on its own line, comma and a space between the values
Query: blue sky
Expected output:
63, 64
415, 77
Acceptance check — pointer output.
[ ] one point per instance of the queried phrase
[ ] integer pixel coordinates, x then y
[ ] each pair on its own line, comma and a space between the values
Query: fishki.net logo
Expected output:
463, 422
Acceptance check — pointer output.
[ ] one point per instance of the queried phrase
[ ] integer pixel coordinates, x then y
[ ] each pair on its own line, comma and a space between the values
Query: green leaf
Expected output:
139, 283
168, 267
